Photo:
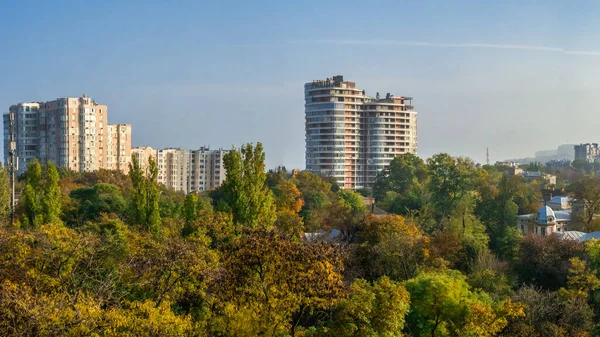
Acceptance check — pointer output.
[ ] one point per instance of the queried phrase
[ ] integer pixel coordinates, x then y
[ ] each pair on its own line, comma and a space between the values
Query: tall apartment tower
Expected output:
351, 136
173, 168
73, 133
206, 169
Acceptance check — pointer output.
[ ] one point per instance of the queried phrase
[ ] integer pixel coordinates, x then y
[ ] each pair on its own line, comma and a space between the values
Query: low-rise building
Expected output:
545, 222
535, 175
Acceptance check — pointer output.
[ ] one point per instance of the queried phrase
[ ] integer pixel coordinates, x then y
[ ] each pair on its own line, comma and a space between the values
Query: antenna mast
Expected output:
487, 155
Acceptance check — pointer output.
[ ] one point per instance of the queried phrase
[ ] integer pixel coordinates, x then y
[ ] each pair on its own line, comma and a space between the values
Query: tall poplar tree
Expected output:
51, 202
31, 194
145, 195
244, 188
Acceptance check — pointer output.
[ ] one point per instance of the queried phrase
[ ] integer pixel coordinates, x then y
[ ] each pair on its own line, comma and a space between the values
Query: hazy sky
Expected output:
514, 76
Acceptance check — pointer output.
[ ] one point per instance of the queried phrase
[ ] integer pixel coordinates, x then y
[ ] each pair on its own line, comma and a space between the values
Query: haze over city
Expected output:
513, 77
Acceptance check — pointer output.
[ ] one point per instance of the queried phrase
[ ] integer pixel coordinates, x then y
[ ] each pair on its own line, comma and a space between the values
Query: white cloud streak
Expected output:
451, 45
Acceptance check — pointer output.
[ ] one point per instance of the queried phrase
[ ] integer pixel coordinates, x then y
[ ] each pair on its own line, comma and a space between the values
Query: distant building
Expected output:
143, 155
589, 152
206, 169
535, 175
187, 171
514, 171
173, 168
507, 163
560, 203
545, 222
351, 136
70, 132
119, 147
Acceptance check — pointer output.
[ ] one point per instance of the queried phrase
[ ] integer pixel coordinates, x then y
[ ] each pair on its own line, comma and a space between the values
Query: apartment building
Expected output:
588, 152
73, 133
143, 154
26, 133
206, 169
352, 136
119, 147
173, 169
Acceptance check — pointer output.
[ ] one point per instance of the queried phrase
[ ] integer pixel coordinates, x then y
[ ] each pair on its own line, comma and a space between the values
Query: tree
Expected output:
318, 197
271, 285
145, 195
99, 199
544, 261
586, 192
52, 197
153, 195
5, 195
138, 202
450, 179
288, 201
377, 309
497, 210
389, 246
549, 314
442, 304
401, 184
244, 189
32, 194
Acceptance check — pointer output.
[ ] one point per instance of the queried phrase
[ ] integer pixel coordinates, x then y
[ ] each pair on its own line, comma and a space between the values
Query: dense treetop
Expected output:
104, 254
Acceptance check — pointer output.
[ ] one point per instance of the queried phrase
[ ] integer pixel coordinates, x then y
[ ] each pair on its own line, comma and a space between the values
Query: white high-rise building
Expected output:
351, 136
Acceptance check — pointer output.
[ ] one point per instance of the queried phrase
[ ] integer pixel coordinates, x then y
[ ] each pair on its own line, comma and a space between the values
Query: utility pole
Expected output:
487, 155
12, 164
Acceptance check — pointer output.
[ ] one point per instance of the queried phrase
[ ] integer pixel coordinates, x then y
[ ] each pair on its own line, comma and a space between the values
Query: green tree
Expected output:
153, 195
318, 197
138, 202
51, 202
32, 193
586, 192
244, 189
442, 304
98, 199
5, 194
450, 179
497, 210
145, 195
272, 285
401, 184
377, 309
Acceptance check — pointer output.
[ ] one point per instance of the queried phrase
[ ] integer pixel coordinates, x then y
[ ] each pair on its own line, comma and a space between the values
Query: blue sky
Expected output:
514, 76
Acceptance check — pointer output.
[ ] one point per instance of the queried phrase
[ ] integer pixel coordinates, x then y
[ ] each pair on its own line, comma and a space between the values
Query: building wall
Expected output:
26, 133
206, 169
120, 147
173, 168
352, 136
143, 154
589, 152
